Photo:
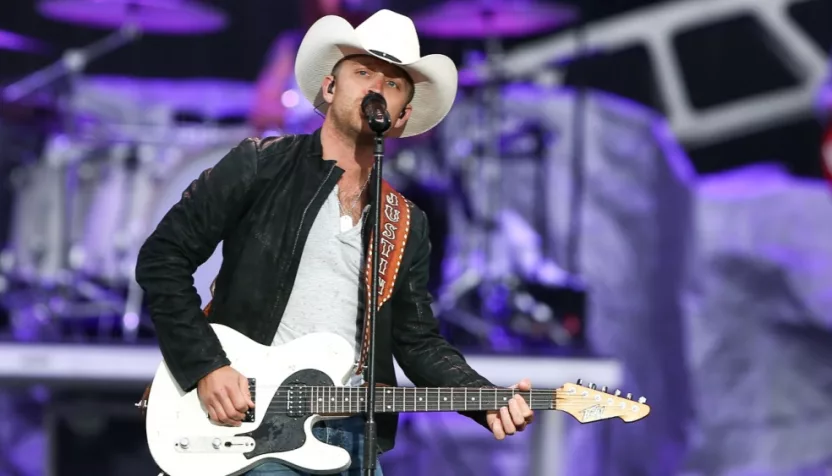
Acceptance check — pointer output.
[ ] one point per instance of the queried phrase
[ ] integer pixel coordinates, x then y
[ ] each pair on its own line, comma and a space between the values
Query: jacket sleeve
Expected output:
424, 355
184, 239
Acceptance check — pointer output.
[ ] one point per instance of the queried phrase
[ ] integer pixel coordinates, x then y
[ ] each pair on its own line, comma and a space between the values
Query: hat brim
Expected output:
332, 38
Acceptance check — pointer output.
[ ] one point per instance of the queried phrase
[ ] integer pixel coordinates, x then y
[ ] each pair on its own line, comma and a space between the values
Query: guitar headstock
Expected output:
588, 405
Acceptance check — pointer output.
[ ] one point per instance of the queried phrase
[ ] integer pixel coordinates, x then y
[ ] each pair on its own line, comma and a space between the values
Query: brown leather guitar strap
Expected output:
395, 228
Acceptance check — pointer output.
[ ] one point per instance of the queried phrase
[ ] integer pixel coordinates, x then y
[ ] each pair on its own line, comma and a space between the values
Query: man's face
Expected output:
355, 77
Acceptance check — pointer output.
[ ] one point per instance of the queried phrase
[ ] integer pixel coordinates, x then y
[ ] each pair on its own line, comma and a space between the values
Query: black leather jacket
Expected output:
260, 201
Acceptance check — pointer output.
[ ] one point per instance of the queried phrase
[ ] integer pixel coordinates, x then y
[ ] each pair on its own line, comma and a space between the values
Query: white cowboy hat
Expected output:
389, 36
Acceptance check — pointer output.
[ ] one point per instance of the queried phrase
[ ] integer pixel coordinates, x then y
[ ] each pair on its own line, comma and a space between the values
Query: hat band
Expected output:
385, 56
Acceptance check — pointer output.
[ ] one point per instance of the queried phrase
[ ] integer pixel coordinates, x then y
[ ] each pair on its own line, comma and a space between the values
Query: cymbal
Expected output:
469, 19
173, 17
13, 42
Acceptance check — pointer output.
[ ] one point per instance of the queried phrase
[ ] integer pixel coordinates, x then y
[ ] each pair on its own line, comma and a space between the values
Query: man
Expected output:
293, 218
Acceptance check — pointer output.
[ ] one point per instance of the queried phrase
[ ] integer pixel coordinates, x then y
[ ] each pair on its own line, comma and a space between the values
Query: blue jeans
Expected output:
347, 433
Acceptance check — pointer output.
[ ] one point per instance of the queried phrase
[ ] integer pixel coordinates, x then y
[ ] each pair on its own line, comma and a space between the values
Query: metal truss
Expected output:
655, 28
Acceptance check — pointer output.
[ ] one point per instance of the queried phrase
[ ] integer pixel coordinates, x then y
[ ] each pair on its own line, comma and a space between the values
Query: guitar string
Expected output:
562, 406
433, 393
539, 396
402, 400
458, 397
354, 406
421, 389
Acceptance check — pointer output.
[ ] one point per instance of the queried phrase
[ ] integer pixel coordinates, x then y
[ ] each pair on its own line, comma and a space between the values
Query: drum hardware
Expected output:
84, 208
168, 17
478, 19
502, 297
10, 41
71, 63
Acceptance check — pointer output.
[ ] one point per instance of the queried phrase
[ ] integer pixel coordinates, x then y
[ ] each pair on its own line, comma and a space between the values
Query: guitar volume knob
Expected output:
216, 443
184, 443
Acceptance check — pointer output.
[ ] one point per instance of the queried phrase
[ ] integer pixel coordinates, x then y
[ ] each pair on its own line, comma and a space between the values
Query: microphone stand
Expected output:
379, 123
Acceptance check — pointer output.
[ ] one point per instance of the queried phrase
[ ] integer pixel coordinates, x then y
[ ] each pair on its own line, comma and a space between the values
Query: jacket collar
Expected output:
316, 151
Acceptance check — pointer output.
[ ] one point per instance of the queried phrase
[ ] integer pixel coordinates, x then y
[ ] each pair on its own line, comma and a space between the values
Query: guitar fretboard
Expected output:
348, 400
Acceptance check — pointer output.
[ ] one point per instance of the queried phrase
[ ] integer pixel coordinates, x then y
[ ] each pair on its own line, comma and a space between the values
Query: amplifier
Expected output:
97, 433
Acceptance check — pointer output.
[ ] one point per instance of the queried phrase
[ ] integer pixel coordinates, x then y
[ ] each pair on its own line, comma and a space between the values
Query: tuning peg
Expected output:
629, 396
580, 382
592, 385
617, 392
642, 400
604, 389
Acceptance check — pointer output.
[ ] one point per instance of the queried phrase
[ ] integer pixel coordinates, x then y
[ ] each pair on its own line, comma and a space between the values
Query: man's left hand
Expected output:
513, 418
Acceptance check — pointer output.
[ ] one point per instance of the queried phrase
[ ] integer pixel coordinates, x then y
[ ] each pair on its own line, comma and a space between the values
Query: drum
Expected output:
172, 180
131, 199
37, 251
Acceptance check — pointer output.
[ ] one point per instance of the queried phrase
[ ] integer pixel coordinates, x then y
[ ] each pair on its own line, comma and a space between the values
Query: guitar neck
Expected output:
348, 400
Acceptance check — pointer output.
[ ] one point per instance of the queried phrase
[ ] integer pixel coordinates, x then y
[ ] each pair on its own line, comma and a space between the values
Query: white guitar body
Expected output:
184, 442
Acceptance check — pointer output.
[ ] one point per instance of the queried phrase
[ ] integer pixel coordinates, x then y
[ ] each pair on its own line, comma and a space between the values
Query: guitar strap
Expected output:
395, 228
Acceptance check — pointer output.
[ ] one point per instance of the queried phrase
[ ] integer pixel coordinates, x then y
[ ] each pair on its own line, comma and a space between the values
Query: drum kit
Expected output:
119, 159
114, 158
485, 292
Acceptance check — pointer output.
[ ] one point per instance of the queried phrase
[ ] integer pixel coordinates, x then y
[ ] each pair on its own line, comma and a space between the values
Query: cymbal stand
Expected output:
485, 165
72, 62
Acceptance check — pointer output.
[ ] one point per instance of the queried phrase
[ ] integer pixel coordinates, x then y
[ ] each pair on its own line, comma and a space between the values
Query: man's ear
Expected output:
403, 117
328, 88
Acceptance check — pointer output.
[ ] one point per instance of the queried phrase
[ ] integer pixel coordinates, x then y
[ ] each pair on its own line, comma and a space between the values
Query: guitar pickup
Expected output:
252, 390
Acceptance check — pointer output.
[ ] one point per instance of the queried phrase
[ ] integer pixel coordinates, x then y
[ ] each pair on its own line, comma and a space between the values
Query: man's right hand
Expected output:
225, 396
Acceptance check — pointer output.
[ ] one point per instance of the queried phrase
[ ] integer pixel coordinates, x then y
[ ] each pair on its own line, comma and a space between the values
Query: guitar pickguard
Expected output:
282, 428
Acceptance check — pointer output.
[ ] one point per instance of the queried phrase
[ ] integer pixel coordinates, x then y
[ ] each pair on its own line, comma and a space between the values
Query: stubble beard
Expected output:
348, 122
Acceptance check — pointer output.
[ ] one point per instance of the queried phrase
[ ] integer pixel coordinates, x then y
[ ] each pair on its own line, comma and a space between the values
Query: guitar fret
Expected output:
352, 400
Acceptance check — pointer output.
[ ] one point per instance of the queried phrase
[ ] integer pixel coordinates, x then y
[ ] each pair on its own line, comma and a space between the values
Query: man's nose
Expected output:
377, 86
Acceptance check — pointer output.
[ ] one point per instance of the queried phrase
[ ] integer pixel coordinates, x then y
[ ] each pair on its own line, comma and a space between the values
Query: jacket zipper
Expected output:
297, 237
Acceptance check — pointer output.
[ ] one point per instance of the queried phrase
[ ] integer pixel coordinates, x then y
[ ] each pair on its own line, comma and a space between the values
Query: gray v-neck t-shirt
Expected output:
325, 295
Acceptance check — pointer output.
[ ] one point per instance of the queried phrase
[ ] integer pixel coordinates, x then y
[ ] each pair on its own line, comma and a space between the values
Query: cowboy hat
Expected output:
391, 37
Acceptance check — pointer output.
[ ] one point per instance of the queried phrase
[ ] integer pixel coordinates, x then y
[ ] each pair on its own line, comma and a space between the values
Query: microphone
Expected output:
374, 107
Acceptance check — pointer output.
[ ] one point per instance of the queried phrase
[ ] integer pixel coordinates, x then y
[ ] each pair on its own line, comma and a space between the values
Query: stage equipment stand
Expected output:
72, 62
379, 121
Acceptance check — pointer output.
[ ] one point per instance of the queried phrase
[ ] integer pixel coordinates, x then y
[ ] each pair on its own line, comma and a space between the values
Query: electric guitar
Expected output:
294, 385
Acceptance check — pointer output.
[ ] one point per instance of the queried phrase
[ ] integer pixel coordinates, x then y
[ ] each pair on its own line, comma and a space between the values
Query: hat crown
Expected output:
390, 35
